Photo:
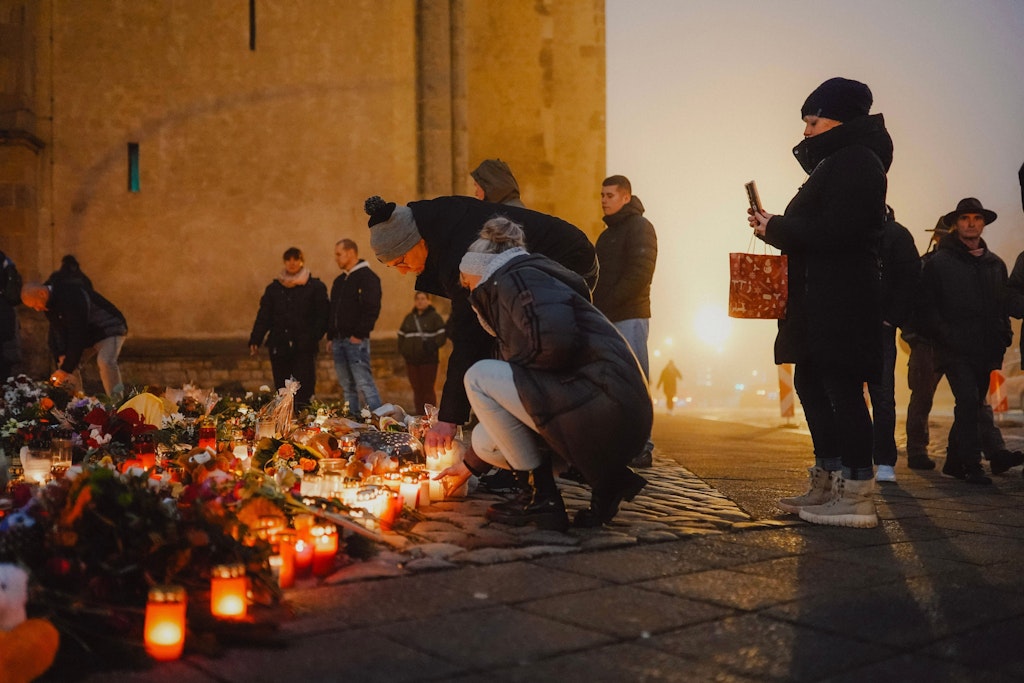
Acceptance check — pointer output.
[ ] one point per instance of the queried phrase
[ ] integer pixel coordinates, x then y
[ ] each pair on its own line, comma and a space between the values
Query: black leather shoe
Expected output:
1000, 461
499, 481
643, 461
604, 507
920, 462
546, 514
545, 508
976, 476
953, 469
573, 474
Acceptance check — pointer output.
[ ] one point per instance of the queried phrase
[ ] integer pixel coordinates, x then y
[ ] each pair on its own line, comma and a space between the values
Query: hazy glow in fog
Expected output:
712, 325
704, 95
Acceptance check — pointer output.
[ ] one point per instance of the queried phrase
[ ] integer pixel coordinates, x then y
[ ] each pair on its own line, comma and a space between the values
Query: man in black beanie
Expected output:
429, 238
831, 231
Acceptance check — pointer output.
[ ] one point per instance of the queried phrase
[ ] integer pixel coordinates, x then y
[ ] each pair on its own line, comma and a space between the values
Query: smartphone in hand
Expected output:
753, 197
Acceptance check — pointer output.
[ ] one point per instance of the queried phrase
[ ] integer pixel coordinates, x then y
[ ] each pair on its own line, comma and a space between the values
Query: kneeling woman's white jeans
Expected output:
506, 436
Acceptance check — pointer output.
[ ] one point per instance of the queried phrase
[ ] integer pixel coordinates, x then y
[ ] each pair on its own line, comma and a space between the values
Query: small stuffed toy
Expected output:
27, 646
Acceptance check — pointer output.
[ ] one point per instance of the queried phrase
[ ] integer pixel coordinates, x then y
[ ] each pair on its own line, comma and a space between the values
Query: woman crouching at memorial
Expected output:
565, 382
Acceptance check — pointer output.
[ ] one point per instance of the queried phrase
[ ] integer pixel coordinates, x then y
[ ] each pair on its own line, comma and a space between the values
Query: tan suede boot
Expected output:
853, 505
819, 492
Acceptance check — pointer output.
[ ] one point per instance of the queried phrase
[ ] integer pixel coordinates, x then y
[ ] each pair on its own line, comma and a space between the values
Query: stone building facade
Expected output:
177, 149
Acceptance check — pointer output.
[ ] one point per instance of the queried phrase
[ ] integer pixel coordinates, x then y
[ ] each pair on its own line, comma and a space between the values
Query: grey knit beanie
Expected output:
393, 229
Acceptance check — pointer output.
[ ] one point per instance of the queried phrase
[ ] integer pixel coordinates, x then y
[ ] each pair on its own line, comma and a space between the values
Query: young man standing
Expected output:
355, 305
627, 251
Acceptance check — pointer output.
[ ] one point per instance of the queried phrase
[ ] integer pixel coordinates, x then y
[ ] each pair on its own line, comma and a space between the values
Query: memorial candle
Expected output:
286, 551
325, 547
164, 628
208, 435
303, 558
410, 491
228, 591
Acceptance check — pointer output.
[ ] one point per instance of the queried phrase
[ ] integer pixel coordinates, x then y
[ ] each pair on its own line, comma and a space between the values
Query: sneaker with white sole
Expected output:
819, 491
852, 505
885, 473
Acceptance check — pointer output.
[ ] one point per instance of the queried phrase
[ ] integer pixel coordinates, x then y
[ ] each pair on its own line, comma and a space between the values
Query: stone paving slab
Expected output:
495, 636
615, 664
638, 612
766, 649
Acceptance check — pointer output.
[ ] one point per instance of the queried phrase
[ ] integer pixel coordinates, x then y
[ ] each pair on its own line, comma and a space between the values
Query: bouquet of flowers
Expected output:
25, 411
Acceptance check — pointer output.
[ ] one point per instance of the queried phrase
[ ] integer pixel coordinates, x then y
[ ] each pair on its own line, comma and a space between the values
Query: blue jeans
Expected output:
636, 331
355, 376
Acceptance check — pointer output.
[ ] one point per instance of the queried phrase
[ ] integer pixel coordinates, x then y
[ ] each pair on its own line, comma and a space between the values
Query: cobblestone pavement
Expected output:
674, 505
699, 579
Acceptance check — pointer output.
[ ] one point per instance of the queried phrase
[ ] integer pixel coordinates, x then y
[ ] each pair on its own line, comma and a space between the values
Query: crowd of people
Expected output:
549, 331
854, 278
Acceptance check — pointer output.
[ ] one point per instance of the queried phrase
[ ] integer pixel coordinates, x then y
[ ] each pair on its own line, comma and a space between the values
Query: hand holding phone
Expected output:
753, 198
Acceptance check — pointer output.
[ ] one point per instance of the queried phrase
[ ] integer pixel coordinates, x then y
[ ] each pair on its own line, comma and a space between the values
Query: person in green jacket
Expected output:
419, 338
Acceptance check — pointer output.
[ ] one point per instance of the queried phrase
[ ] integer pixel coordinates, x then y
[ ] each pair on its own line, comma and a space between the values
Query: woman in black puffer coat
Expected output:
831, 233
565, 381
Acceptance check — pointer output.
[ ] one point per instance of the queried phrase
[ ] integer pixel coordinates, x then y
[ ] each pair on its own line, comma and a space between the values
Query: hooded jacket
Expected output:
962, 305
499, 185
355, 303
627, 251
831, 232
449, 225
573, 371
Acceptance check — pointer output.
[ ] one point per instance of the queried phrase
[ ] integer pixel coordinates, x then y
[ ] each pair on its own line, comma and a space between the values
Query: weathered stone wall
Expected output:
246, 149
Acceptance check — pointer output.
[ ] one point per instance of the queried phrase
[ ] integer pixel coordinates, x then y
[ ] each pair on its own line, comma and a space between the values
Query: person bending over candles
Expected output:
564, 381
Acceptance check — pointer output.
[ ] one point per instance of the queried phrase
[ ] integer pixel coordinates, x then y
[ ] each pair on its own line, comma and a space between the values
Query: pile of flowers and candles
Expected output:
172, 522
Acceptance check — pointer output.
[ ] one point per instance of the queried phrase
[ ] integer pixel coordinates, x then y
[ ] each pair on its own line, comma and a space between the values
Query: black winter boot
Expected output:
1000, 461
523, 494
604, 504
545, 509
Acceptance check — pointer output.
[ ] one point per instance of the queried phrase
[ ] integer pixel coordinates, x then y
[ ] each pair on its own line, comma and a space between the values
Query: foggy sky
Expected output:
704, 95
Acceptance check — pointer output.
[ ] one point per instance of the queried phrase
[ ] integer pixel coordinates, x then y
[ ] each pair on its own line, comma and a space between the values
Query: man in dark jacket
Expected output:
923, 379
82, 323
493, 182
831, 231
429, 238
901, 267
627, 251
355, 305
963, 312
292, 319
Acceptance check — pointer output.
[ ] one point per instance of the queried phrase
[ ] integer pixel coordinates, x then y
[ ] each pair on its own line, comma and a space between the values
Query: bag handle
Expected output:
765, 247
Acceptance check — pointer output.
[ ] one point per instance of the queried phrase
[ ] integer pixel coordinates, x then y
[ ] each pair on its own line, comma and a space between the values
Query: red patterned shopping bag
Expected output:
758, 285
